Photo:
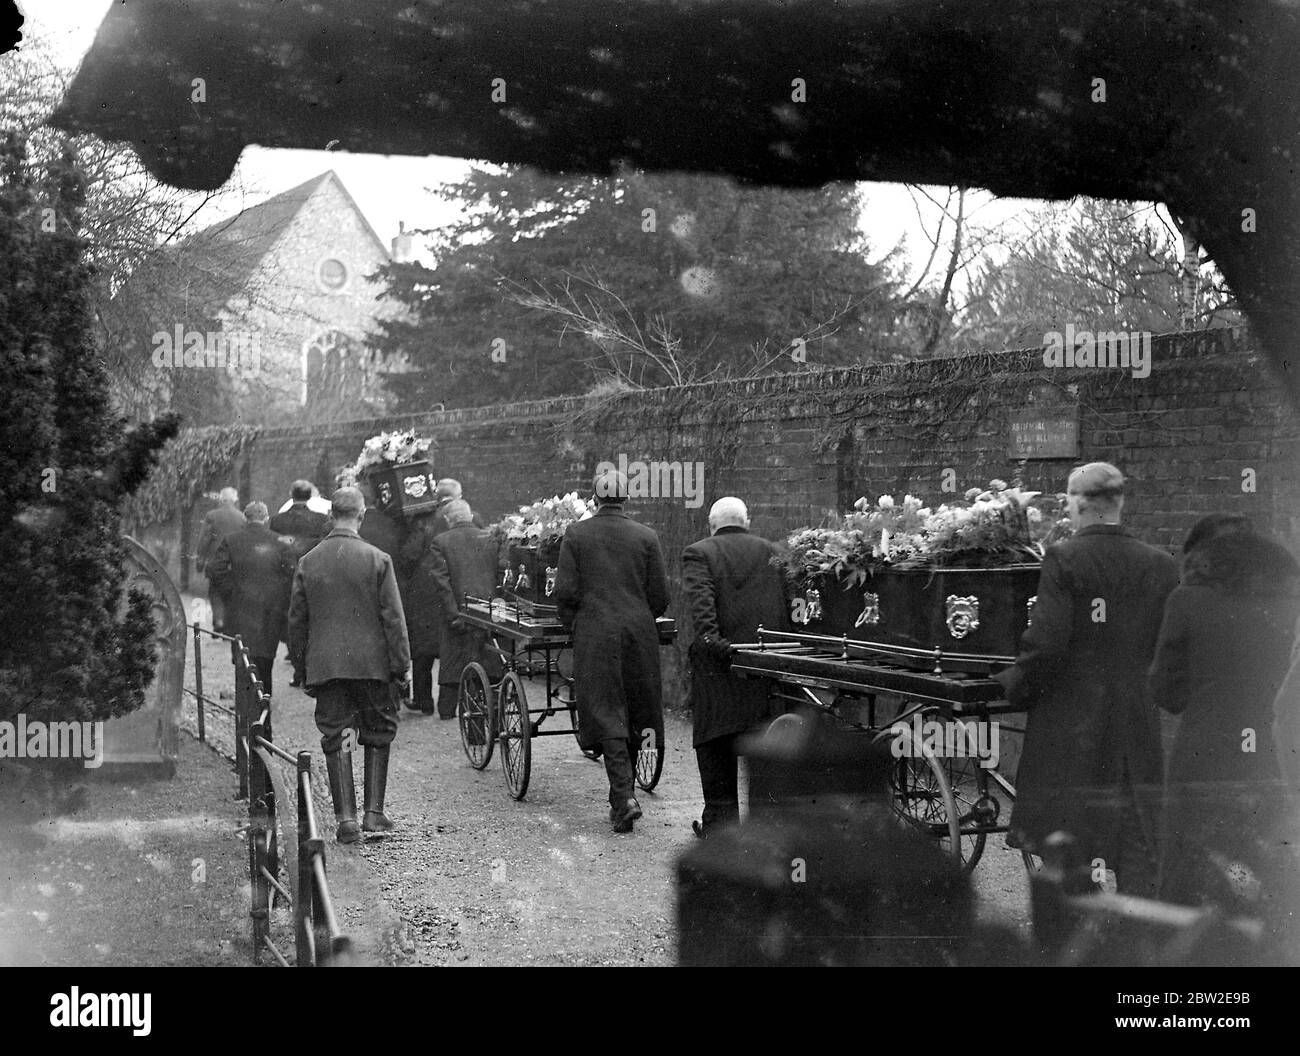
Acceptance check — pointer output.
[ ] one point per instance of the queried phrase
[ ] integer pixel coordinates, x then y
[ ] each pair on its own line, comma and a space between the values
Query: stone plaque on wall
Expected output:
1044, 432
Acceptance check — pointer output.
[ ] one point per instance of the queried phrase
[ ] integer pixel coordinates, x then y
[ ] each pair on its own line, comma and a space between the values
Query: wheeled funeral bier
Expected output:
528, 643
973, 611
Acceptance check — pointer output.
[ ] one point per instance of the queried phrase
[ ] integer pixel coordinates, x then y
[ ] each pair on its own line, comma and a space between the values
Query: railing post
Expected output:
243, 706
304, 896
259, 725
261, 829
321, 938
198, 679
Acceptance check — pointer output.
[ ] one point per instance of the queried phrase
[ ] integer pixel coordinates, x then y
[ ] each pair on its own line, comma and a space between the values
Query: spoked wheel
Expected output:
577, 733
516, 736
923, 798
975, 808
649, 765
569, 695
571, 702
474, 713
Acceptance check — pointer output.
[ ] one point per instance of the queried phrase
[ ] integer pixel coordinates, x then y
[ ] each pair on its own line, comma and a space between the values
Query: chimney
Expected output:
402, 246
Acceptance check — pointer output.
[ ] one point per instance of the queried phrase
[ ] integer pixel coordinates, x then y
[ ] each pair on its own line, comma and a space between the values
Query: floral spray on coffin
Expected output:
831, 567
530, 547
397, 467
961, 578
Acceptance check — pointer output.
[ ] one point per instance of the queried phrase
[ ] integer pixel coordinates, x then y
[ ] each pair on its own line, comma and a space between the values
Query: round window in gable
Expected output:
333, 274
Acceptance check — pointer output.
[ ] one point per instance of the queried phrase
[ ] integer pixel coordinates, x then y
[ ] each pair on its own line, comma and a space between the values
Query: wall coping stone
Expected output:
1215, 343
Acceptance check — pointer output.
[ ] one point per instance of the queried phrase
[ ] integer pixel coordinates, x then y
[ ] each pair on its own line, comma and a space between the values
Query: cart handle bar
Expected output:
844, 642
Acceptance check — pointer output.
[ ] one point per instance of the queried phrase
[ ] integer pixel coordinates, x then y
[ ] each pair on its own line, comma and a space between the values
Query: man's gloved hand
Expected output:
401, 684
718, 650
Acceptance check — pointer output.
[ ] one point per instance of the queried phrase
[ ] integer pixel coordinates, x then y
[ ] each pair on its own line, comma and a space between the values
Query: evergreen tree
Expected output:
65, 465
728, 276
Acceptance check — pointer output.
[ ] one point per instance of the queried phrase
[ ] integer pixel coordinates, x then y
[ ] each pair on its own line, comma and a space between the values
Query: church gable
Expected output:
287, 279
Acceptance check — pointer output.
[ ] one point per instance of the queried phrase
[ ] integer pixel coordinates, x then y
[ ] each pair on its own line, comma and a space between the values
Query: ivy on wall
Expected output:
185, 468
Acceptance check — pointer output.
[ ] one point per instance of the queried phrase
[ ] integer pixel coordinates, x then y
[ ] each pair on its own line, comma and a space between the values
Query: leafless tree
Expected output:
633, 355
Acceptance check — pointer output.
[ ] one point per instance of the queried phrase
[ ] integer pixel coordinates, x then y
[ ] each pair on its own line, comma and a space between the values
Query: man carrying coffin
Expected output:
731, 589
1091, 759
610, 587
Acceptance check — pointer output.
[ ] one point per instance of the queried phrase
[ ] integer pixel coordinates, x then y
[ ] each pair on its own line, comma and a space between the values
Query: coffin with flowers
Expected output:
408, 488
981, 611
397, 467
961, 578
530, 547
529, 571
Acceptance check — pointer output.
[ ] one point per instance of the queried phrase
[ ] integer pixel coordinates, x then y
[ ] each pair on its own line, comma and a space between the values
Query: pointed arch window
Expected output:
332, 369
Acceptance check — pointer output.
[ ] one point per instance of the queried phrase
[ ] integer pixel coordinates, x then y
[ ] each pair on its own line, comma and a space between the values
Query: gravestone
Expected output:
150, 734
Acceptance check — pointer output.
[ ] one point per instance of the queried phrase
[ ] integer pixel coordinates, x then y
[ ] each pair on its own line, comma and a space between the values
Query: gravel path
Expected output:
476, 878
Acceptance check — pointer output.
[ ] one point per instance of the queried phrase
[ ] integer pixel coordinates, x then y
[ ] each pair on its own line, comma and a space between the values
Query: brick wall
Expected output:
796, 446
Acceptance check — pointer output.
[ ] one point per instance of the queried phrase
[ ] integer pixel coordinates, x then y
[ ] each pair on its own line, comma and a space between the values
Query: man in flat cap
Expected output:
610, 587
731, 588
347, 625
1091, 764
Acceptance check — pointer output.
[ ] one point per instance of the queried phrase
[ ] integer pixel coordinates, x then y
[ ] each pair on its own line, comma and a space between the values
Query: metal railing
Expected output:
318, 938
202, 701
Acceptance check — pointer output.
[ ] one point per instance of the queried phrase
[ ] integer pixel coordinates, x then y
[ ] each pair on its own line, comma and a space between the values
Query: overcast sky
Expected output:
391, 189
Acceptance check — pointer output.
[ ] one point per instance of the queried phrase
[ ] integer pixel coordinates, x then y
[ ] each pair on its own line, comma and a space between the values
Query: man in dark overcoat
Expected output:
731, 588
300, 528
462, 560
423, 609
1223, 650
346, 622
1091, 764
218, 523
254, 570
610, 587
387, 531
423, 615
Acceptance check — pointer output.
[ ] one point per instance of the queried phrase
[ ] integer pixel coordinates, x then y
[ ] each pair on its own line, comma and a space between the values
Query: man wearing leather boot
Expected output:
346, 622
609, 588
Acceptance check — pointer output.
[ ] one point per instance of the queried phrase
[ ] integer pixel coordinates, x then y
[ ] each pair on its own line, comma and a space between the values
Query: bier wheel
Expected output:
515, 734
649, 765
922, 796
474, 713
964, 781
